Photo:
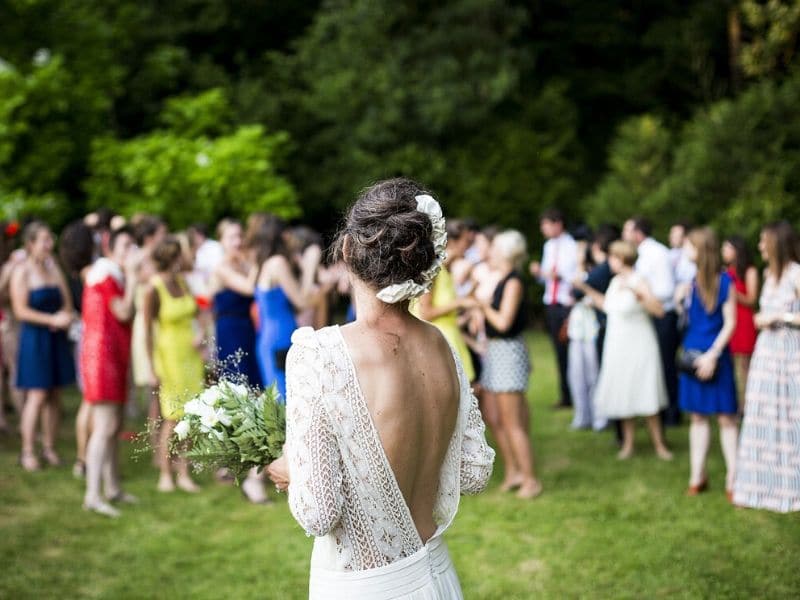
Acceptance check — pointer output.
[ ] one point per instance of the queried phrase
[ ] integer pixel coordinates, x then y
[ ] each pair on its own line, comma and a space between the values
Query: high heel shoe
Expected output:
694, 490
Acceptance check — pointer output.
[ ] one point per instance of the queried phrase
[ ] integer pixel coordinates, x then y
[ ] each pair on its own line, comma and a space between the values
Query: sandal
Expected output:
123, 498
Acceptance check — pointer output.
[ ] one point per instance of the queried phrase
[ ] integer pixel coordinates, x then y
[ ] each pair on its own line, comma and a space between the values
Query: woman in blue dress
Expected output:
279, 292
232, 285
710, 390
42, 304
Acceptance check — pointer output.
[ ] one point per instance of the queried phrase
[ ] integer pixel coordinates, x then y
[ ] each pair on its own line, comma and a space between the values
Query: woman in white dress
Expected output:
383, 432
631, 381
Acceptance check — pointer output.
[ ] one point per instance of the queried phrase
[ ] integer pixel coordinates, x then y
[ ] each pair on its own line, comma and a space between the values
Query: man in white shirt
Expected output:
558, 268
655, 265
684, 269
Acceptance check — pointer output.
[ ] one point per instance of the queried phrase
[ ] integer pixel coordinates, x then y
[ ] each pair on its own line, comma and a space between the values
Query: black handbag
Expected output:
685, 362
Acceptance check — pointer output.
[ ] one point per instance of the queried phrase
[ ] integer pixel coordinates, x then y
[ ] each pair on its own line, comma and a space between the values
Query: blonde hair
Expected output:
709, 265
512, 245
625, 251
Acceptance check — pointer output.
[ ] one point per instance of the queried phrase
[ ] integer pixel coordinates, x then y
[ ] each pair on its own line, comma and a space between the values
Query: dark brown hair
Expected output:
167, 253
385, 239
265, 236
76, 246
743, 260
783, 246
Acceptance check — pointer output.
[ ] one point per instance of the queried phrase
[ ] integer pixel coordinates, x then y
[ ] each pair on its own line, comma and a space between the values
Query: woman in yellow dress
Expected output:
175, 355
440, 307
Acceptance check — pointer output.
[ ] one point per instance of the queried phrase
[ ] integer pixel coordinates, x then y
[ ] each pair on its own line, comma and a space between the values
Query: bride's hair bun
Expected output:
390, 241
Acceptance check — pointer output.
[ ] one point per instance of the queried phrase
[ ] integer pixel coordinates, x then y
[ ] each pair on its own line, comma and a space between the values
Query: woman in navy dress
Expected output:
278, 294
42, 304
711, 390
232, 286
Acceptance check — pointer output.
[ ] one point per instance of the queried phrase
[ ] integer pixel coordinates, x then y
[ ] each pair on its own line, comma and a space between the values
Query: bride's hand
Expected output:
278, 472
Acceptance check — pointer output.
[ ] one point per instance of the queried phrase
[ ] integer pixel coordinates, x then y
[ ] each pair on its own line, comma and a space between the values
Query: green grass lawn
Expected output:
602, 529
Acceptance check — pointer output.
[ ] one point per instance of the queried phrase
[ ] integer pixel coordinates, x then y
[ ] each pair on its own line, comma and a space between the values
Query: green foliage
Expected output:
775, 33
735, 165
187, 175
639, 159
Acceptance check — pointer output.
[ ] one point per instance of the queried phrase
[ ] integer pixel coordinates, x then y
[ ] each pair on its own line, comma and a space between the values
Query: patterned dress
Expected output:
768, 466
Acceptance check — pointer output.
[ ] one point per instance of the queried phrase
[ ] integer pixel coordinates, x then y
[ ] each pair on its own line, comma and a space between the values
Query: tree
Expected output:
193, 168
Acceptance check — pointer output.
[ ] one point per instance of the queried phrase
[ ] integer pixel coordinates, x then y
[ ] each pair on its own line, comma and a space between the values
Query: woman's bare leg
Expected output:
51, 422
699, 440
628, 430
729, 439
657, 436
491, 416
34, 402
105, 426
162, 450
82, 428
511, 416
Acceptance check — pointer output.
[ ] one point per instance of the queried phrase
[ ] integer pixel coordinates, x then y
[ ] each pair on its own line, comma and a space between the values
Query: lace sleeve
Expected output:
315, 465
477, 457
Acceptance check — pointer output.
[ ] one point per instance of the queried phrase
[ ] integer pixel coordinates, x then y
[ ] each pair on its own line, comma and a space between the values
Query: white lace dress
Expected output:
344, 492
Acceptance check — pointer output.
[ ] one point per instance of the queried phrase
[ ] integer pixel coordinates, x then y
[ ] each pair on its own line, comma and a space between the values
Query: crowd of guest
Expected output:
134, 313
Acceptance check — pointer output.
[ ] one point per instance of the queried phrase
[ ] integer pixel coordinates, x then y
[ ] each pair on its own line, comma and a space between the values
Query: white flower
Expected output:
404, 290
195, 407
182, 429
234, 389
210, 396
214, 417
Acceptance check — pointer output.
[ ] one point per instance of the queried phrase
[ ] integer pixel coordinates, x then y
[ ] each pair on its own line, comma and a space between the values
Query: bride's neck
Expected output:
374, 313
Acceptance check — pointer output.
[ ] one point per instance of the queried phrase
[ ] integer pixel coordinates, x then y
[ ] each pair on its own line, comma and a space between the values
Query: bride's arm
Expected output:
477, 457
311, 450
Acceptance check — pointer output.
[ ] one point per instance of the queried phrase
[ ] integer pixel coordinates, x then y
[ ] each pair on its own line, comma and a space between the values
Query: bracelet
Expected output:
788, 318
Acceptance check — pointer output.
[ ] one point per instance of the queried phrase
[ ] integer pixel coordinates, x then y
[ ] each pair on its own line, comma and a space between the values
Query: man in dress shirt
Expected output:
558, 268
655, 265
684, 269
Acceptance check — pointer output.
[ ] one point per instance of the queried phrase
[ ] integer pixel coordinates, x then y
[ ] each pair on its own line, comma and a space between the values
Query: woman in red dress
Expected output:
105, 358
740, 267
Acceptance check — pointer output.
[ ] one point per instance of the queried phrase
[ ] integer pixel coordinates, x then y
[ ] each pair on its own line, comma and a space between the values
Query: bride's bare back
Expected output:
410, 384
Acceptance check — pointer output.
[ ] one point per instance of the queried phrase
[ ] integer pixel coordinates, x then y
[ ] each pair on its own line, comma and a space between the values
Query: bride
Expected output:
383, 432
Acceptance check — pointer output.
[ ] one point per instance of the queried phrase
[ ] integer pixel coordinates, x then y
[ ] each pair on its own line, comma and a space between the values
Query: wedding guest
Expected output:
42, 304
708, 388
304, 247
148, 231
769, 447
232, 286
557, 269
107, 312
655, 266
76, 249
683, 268
11, 257
440, 307
507, 366
741, 270
364, 400
631, 382
178, 371
583, 327
279, 292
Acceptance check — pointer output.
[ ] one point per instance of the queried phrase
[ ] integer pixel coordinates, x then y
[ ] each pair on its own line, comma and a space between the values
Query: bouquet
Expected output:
232, 426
